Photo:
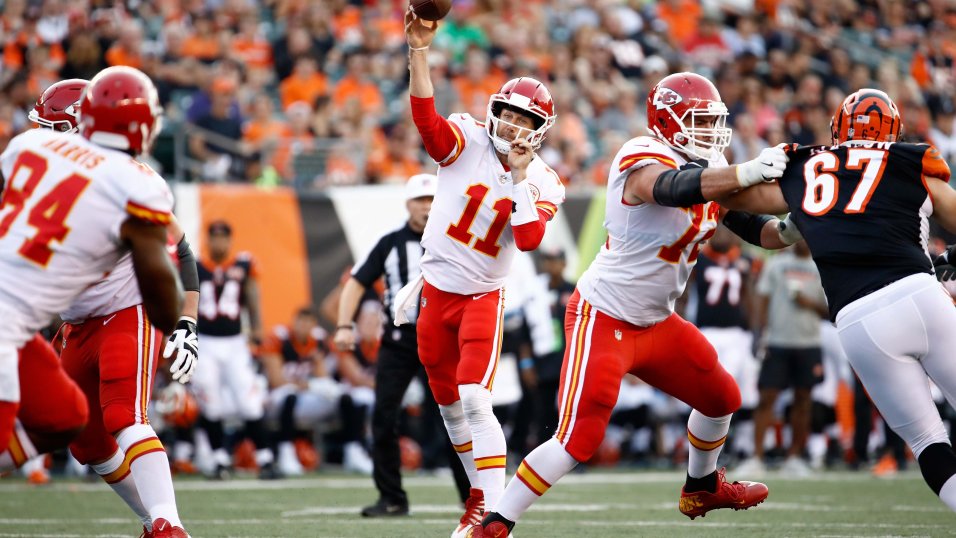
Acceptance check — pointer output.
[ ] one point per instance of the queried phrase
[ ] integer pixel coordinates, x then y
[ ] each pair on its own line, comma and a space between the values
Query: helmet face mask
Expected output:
685, 111
523, 97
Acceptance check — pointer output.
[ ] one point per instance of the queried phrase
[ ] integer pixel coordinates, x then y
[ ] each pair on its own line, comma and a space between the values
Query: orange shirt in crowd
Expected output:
201, 47
681, 21
255, 132
308, 90
367, 93
117, 55
473, 96
388, 169
284, 154
253, 52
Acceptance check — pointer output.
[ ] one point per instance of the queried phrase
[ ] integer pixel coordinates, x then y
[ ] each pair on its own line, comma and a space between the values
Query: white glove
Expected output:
405, 300
768, 166
788, 231
184, 343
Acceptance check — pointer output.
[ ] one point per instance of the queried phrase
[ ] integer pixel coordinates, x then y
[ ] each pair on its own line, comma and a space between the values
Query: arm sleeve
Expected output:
368, 270
444, 141
528, 236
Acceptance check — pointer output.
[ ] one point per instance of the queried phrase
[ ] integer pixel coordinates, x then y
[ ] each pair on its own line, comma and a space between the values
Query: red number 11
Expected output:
487, 245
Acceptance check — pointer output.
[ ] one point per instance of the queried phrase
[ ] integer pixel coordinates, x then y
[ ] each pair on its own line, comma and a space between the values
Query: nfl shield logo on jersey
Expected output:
618, 334
424, 301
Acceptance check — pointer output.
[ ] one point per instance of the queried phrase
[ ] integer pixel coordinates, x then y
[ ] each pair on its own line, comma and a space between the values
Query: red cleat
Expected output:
470, 523
146, 533
495, 529
736, 495
163, 529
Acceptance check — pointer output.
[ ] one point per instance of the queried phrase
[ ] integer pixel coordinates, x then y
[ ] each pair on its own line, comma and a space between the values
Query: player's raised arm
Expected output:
155, 274
441, 140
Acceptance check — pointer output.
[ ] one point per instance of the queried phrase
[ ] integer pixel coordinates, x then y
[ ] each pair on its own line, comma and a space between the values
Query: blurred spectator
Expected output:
216, 144
357, 85
790, 305
943, 132
399, 160
305, 83
128, 49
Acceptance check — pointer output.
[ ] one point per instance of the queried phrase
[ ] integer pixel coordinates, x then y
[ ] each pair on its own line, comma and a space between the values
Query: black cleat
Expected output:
269, 471
385, 509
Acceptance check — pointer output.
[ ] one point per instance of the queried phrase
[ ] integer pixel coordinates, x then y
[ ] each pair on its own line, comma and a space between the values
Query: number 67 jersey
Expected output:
468, 240
863, 208
64, 200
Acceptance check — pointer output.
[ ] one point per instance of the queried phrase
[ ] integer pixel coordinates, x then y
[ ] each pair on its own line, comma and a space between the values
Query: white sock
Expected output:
182, 451
460, 434
541, 469
488, 442
115, 472
221, 457
947, 493
264, 456
149, 466
706, 435
19, 451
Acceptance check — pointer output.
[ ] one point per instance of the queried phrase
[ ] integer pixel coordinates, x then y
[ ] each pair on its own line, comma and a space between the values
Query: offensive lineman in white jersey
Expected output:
72, 207
494, 195
621, 318
104, 349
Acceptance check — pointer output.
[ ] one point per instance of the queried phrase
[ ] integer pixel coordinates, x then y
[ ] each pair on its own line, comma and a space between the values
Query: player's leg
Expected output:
208, 385
479, 339
95, 446
438, 324
9, 392
240, 381
52, 410
128, 355
807, 371
595, 361
883, 345
395, 370
690, 372
773, 378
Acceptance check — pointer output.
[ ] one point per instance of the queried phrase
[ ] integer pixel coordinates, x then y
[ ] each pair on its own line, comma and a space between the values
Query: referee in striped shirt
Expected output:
397, 256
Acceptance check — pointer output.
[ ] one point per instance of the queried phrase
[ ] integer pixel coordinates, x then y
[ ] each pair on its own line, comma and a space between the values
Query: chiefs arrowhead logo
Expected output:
666, 97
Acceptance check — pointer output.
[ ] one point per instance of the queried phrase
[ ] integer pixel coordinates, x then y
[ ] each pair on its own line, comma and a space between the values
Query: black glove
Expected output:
184, 343
945, 265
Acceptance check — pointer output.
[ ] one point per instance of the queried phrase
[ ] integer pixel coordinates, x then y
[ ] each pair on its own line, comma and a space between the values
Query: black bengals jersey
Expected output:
863, 208
720, 281
222, 294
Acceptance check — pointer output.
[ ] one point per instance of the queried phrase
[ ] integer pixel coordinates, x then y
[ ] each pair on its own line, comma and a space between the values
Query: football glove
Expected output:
184, 345
788, 231
945, 264
768, 166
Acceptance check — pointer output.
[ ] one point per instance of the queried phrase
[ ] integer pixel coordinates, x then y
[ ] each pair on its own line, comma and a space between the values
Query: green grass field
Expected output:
598, 504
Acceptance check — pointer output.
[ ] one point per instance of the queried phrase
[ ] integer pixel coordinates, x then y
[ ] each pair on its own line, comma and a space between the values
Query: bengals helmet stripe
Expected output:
866, 114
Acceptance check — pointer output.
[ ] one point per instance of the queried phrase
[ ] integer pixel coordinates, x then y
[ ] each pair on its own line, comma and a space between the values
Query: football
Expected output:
430, 10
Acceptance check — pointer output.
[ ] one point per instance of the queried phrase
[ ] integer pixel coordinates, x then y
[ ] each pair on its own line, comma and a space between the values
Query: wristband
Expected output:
349, 327
419, 48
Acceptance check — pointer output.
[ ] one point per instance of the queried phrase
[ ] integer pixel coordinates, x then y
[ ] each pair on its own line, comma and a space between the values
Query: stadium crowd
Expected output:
313, 93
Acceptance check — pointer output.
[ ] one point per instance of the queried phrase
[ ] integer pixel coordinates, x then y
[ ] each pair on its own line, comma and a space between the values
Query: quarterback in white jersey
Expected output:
621, 317
494, 195
61, 182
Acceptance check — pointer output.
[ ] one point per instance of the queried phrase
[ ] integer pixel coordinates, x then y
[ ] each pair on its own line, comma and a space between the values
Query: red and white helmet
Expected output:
527, 96
675, 103
121, 110
58, 106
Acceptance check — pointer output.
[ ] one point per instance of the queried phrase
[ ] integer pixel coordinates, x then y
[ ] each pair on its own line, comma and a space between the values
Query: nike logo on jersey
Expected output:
476, 297
109, 319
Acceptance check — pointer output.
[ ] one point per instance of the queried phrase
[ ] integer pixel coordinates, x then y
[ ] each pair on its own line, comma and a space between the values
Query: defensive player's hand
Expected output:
184, 345
945, 265
520, 155
768, 166
418, 32
344, 338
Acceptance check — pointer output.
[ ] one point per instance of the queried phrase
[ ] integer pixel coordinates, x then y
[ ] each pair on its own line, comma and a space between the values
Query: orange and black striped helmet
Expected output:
866, 114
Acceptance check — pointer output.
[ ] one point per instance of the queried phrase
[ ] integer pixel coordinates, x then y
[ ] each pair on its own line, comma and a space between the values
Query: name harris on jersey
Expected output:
74, 152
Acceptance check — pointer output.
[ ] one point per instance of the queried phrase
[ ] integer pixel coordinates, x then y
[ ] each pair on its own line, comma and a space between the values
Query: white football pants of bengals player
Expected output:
897, 339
